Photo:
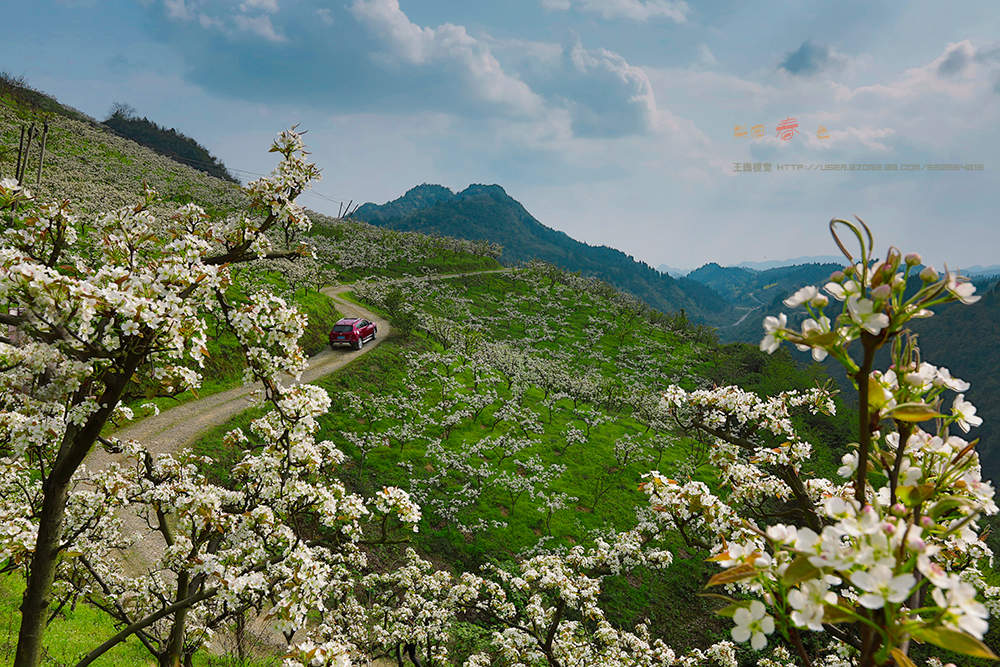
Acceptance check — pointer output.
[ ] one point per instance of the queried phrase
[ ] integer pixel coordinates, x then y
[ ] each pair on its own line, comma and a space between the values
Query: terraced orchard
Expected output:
522, 411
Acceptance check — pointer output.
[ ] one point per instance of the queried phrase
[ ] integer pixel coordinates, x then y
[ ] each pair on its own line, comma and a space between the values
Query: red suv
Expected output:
353, 331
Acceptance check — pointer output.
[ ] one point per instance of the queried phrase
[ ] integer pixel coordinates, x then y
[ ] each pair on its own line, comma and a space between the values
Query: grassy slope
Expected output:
647, 357
358, 250
69, 637
98, 170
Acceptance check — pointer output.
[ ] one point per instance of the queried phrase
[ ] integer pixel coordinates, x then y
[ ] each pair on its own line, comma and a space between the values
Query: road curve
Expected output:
180, 426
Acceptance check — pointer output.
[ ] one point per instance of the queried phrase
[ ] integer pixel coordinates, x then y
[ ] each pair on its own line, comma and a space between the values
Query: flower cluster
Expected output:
882, 557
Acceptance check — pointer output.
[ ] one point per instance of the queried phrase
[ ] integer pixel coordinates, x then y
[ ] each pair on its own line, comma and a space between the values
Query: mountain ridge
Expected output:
487, 212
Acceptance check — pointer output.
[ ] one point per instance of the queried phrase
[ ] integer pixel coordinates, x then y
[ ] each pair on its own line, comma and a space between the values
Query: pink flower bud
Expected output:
898, 509
888, 528
913, 259
928, 274
882, 292
926, 521
837, 277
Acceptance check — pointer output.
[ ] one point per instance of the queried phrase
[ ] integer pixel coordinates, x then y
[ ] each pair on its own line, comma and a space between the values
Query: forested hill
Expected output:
487, 212
744, 286
167, 142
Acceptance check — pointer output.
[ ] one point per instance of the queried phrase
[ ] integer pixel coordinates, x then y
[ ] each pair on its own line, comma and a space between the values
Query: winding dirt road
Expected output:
180, 426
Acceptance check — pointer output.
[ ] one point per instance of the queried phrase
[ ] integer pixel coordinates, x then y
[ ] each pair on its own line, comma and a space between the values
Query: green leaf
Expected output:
799, 570
914, 412
901, 659
946, 504
834, 614
729, 610
953, 640
731, 575
877, 394
911, 496
824, 339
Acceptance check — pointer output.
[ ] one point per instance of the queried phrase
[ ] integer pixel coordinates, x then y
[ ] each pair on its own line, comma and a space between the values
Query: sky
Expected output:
630, 123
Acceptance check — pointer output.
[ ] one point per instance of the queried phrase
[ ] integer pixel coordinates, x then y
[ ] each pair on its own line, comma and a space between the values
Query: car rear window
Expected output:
343, 328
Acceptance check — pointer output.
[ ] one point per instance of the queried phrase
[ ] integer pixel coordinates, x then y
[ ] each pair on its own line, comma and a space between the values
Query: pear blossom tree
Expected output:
889, 556
93, 320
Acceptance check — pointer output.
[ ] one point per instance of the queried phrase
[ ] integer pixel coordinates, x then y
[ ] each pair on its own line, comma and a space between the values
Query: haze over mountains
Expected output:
762, 265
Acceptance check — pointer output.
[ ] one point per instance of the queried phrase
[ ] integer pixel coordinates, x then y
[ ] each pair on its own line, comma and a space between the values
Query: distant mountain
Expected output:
748, 289
672, 271
979, 270
966, 340
755, 294
777, 263
487, 212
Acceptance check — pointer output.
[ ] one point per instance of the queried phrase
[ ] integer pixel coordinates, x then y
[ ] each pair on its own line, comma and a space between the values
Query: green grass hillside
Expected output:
522, 416
125, 122
97, 170
520, 409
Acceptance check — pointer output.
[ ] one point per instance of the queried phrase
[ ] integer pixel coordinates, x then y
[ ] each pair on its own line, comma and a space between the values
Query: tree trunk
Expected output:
55, 492
20, 151
174, 650
27, 153
35, 603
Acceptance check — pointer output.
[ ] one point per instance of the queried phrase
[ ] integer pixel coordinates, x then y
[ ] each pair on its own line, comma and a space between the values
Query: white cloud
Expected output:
631, 102
634, 10
197, 10
961, 71
705, 56
448, 45
258, 25
325, 15
177, 10
603, 93
268, 6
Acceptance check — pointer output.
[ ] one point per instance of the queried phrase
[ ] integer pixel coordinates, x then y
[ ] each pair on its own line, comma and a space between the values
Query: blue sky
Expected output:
612, 120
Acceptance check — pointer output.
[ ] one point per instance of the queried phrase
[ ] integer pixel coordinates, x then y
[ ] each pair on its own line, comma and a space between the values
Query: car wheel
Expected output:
360, 344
